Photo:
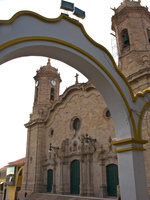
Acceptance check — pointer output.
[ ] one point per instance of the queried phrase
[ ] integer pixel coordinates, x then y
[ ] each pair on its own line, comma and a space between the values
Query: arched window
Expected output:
36, 94
125, 38
148, 34
51, 133
52, 94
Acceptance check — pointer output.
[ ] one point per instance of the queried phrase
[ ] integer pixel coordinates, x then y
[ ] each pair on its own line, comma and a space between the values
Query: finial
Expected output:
48, 63
131, 0
76, 78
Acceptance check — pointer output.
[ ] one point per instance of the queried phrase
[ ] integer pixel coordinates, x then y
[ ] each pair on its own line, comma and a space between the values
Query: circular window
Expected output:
76, 124
107, 113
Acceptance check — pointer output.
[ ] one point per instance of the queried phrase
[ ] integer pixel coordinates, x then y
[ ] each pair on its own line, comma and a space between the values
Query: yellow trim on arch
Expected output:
73, 21
130, 149
129, 141
142, 93
140, 117
55, 20
18, 40
32, 38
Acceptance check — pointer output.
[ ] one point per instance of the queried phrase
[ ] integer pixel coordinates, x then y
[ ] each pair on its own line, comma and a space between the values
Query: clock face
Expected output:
53, 82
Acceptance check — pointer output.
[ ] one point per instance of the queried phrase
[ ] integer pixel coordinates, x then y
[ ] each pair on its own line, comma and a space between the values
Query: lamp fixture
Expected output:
79, 13
55, 149
68, 6
87, 139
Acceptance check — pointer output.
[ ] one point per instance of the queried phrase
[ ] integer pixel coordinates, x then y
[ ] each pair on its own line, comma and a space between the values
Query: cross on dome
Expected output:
49, 62
76, 78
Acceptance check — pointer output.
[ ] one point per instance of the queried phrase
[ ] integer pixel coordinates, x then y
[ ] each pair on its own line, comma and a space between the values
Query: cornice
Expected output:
130, 6
34, 122
65, 95
80, 86
139, 73
83, 86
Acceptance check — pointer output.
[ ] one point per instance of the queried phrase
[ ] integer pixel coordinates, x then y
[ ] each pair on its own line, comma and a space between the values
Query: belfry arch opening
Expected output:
125, 41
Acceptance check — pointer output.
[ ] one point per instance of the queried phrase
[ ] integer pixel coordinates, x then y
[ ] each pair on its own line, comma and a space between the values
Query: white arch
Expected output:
65, 39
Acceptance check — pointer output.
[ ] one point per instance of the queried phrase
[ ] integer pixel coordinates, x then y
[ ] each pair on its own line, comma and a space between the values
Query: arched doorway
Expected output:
112, 179
75, 177
49, 180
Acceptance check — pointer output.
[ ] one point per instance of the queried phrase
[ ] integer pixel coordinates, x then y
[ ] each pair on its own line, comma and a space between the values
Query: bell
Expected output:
126, 39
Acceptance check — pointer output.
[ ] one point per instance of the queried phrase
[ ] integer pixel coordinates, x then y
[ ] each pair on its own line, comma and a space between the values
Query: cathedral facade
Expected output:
69, 148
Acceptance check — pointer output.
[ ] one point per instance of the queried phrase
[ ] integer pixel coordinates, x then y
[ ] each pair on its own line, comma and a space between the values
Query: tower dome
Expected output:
47, 84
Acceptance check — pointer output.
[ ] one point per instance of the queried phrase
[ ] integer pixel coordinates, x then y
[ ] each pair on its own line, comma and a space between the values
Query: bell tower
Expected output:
47, 84
131, 24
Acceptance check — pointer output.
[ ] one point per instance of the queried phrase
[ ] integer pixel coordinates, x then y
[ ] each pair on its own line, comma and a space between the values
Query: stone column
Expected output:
82, 193
54, 175
89, 177
66, 173
61, 177
132, 176
103, 187
24, 184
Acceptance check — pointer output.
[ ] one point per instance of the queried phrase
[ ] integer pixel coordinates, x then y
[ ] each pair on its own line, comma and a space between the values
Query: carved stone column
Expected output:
90, 191
82, 170
103, 187
66, 173
54, 175
103, 184
61, 177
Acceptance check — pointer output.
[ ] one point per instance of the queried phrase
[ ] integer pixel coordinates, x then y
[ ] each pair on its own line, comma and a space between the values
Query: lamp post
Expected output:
55, 149
68, 6
87, 139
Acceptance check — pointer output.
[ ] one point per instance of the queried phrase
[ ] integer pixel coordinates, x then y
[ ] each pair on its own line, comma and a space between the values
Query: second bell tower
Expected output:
131, 24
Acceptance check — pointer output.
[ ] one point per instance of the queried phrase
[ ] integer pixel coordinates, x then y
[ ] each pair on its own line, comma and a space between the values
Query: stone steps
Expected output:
48, 196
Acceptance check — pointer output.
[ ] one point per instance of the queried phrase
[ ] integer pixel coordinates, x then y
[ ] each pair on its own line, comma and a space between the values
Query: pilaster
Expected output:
90, 191
103, 187
133, 185
82, 177
61, 177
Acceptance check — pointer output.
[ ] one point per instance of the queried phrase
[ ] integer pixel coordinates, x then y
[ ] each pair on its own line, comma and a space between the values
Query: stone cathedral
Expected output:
69, 148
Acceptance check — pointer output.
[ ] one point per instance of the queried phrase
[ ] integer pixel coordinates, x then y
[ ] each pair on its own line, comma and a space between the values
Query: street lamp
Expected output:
79, 13
68, 6
87, 139
55, 149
